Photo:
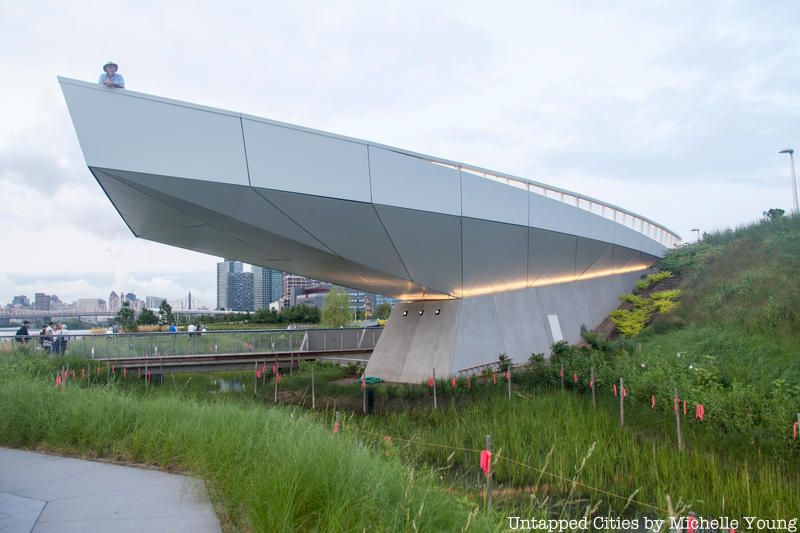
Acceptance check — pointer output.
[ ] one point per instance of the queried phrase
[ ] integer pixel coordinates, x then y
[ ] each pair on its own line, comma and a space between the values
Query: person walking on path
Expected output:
23, 335
110, 78
60, 344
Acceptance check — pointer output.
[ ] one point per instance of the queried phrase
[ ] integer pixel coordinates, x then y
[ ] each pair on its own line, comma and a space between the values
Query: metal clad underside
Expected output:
626, 258
593, 257
429, 244
155, 215
236, 204
122, 131
144, 215
552, 256
351, 229
495, 256
209, 240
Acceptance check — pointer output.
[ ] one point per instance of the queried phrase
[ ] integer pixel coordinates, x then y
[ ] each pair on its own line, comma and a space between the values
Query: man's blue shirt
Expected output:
116, 78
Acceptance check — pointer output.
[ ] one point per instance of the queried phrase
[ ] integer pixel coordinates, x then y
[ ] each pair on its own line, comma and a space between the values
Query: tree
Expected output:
336, 309
774, 213
165, 315
126, 317
147, 318
382, 311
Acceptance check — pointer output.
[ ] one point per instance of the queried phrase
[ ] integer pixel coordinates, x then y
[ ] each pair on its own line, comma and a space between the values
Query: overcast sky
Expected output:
675, 110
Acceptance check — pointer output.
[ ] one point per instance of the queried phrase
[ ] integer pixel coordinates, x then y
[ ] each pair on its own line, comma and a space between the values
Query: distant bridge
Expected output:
11, 313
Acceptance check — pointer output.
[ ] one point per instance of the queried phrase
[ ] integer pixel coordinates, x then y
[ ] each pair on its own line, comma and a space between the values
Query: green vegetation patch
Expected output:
274, 469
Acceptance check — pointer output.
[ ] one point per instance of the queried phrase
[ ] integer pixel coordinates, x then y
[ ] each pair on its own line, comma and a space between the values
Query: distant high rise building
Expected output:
292, 281
153, 302
90, 305
267, 286
228, 266
41, 301
20, 301
130, 297
113, 302
292, 286
190, 300
358, 299
240, 291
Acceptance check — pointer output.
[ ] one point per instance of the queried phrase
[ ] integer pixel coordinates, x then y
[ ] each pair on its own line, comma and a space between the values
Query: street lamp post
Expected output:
697, 232
794, 178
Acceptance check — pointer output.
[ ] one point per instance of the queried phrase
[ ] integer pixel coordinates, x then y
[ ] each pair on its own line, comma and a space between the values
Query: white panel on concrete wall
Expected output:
489, 200
553, 215
404, 181
286, 159
555, 328
120, 130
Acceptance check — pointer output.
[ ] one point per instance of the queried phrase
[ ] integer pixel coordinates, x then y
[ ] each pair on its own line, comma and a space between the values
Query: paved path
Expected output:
43, 493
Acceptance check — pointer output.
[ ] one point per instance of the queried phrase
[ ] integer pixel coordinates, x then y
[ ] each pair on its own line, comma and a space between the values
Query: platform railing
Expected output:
638, 223
162, 344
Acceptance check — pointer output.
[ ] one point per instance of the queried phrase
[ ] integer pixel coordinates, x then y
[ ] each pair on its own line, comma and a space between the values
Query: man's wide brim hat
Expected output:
111, 64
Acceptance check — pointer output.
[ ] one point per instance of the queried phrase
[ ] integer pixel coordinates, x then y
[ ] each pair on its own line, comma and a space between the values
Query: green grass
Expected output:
555, 432
744, 278
182, 425
273, 469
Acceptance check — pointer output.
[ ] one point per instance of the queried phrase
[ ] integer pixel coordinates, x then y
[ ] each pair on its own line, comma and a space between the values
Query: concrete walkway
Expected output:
43, 493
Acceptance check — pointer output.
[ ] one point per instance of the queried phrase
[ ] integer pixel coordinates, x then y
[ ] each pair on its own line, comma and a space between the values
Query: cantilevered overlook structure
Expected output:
485, 263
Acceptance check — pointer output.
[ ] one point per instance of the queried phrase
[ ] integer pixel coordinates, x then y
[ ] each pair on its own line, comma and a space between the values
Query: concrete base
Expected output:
475, 331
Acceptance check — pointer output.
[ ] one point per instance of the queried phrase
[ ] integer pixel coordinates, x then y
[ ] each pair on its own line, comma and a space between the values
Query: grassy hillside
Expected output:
746, 278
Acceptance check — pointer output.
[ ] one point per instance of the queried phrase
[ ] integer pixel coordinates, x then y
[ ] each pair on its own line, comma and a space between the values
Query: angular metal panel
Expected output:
350, 229
429, 245
652, 247
142, 213
404, 181
595, 227
551, 257
625, 236
287, 159
489, 200
625, 258
208, 240
122, 130
553, 215
495, 257
238, 204
593, 257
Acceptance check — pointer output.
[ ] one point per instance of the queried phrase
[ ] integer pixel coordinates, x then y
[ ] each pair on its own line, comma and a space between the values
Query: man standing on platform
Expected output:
110, 78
